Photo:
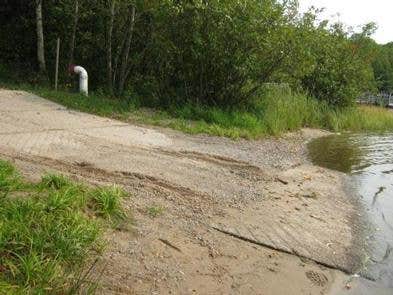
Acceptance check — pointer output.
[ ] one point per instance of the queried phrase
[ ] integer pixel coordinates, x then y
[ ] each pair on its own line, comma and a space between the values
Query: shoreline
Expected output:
266, 190
322, 278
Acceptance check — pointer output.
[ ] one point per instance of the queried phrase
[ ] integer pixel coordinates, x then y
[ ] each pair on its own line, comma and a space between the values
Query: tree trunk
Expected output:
116, 60
73, 36
124, 58
40, 38
109, 46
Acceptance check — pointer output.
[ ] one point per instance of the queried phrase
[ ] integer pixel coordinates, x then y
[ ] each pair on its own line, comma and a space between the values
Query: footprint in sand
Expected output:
317, 278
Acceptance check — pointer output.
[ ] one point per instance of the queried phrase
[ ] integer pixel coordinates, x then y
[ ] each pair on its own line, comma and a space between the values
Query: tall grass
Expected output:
48, 235
107, 202
361, 119
9, 179
278, 110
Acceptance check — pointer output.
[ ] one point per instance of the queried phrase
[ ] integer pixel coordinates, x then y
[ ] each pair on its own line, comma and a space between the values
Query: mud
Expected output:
306, 229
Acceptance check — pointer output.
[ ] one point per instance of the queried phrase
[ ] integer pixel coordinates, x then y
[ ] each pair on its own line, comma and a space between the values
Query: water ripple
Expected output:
368, 158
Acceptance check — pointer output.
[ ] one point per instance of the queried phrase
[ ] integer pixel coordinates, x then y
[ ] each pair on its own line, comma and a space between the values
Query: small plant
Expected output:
107, 202
9, 178
55, 181
155, 211
69, 197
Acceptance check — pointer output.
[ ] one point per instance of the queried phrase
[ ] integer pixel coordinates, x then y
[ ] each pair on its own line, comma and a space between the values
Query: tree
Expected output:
342, 69
112, 6
123, 73
40, 38
383, 67
216, 53
73, 32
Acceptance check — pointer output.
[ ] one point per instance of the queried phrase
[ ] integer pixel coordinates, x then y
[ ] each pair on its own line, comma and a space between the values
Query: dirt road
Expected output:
236, 217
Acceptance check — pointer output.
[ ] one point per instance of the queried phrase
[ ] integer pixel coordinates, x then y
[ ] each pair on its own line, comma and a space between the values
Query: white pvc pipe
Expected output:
83, 80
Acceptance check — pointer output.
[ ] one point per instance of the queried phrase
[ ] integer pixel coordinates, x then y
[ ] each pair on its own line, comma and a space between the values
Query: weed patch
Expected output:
155, 211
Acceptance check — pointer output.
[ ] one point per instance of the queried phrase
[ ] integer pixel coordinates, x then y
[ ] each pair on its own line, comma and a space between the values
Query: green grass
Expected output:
9, 179
107, 202
278, 111
55, 181
362, 119
50, 234
155, 211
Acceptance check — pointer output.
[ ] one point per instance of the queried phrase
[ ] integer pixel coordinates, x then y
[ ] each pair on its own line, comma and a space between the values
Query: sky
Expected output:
358, 12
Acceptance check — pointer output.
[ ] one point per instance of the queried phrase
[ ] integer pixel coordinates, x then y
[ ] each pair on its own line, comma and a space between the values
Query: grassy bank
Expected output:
278, 111
51, 232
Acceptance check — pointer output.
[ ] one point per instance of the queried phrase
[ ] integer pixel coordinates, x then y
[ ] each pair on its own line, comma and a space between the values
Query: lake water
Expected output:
368, 158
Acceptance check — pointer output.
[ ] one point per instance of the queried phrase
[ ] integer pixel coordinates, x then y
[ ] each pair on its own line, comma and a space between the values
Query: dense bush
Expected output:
342, 70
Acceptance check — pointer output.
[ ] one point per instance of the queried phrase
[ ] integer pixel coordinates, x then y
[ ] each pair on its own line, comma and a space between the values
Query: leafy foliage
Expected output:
383, 68
212, 53
342, 70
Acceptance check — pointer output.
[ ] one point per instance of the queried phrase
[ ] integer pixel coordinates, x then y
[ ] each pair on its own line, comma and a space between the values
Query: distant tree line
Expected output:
209, 52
